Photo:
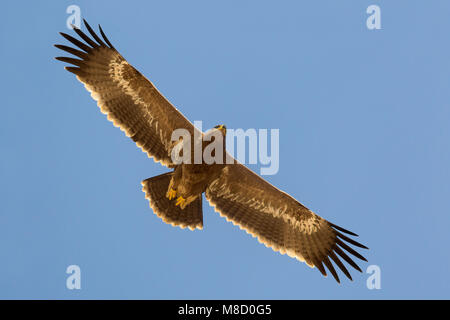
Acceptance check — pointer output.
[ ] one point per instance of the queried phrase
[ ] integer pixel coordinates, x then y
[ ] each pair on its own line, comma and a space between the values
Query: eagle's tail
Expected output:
155, 189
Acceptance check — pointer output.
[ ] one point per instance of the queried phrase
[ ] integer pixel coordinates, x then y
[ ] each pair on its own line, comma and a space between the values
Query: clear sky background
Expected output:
364, 142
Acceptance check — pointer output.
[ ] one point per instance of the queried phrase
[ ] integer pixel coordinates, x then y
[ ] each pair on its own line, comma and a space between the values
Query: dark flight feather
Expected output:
76, 42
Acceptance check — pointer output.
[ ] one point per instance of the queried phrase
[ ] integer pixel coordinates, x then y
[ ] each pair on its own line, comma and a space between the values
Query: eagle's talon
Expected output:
180, 202
171, 193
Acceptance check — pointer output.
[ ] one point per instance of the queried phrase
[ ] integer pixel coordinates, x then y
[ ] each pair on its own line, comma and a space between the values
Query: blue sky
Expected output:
364, 142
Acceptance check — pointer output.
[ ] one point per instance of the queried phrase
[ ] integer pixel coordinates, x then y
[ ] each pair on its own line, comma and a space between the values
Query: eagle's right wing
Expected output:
130, 101
279, 221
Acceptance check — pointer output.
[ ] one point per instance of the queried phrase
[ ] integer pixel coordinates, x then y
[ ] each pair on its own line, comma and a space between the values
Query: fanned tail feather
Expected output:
155, 189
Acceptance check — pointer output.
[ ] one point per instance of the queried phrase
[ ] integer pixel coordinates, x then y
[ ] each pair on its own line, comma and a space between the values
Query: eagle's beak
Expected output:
222, 128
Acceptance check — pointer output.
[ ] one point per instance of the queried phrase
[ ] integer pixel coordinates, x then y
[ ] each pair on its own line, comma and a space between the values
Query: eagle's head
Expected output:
221, 128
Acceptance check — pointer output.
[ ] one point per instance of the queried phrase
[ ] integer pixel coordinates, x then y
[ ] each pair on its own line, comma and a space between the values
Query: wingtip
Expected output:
105, 37
351, 241
343, 230
86, 24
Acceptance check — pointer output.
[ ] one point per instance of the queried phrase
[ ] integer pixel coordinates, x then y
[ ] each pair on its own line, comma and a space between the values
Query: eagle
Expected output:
238, 194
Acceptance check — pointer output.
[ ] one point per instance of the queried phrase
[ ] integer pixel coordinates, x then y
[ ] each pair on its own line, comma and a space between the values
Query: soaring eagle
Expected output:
134, 105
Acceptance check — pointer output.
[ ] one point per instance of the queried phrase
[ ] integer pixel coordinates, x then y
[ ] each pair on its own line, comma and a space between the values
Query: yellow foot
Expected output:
181, 202
171, 193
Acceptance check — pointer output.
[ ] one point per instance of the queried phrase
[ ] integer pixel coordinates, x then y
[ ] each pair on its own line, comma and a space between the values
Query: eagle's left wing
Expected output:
279, 221
130, 101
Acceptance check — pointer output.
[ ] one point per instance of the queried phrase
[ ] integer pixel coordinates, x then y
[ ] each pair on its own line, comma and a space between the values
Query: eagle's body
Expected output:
190, 180
133, 103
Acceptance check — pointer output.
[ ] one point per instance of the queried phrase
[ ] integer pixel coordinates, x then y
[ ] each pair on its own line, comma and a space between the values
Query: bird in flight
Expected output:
274, 217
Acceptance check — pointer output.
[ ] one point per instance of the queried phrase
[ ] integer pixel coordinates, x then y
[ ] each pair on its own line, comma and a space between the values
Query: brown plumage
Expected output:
134, 105
155, 190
